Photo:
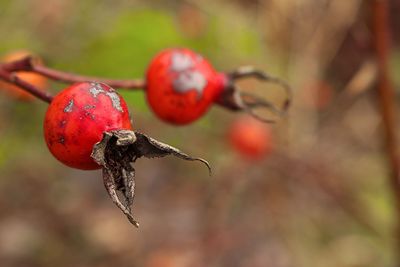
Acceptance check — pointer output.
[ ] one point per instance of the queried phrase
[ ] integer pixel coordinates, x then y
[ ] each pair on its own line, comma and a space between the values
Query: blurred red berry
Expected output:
76, 119
181, 85
250, 138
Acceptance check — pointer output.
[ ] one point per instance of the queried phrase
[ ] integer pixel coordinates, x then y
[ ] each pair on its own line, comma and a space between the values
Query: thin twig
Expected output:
27, 64
11, 78
73, 78
381, 32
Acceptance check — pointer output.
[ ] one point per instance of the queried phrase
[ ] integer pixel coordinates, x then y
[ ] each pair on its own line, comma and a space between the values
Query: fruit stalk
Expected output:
10, 77
381, 32
74, 78
27, 64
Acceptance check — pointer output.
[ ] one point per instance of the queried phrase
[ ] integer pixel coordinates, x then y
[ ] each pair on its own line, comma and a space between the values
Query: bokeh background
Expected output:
321, 198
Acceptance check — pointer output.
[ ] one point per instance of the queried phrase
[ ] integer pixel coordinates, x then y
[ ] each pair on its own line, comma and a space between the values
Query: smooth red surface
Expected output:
180, 107
250, 138
71, 130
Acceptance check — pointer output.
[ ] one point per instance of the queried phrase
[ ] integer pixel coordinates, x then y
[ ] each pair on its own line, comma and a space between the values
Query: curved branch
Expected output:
11, 78
73, 78
381, 37
28, 64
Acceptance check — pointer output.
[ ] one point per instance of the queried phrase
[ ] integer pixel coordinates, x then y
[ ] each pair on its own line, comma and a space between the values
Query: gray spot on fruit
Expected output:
181, 62
96, 89
68, 108
116, 101
89, 107
61, 140
190, 80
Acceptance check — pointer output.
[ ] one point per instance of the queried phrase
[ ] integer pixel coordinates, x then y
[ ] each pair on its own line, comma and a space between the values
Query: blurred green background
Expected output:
321, 198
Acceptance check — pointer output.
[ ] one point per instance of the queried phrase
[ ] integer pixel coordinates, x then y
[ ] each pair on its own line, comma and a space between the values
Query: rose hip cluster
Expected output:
87, 125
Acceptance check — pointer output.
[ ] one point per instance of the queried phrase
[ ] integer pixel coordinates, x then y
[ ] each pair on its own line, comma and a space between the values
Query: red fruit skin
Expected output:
181, 85
250, 138
76, 119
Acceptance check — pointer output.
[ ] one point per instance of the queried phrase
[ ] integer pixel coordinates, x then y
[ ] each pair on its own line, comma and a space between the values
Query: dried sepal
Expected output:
151, 148
115, 153
234, 99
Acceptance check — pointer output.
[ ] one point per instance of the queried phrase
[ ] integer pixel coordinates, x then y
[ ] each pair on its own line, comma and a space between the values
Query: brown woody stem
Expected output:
381, 36
73, 78
10, 77
28, 64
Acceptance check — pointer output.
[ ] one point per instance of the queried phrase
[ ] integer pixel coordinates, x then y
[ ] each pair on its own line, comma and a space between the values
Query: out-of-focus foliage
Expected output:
320, 199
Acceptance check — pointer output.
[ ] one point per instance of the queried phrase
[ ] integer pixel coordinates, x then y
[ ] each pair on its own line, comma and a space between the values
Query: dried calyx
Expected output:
234, 99
115, 153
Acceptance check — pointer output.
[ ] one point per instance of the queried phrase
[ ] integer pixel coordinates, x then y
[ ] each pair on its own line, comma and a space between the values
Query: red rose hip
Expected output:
77, 118
250, 138
181, 85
